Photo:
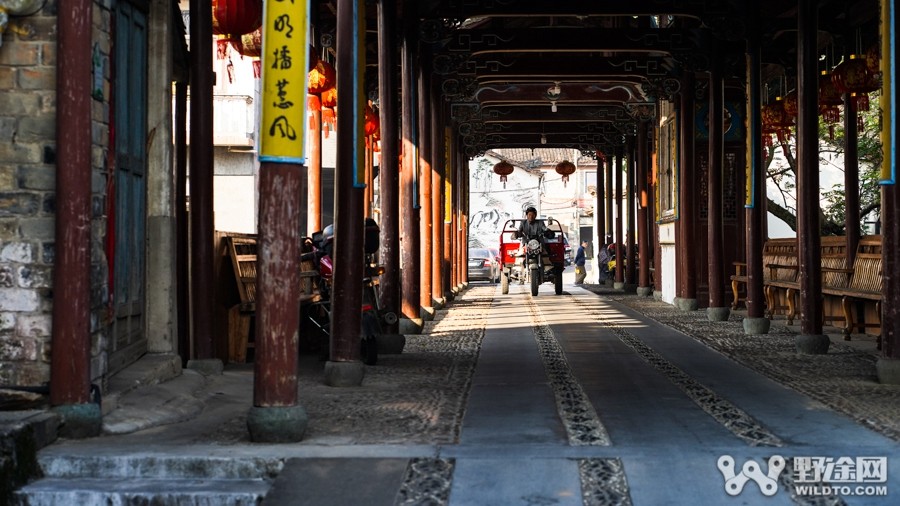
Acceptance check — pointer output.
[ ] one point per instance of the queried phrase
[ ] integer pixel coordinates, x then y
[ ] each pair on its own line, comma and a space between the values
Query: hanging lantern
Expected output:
873, 59
233, 18
776, 120
503, 168
565, 168
329, 97
249, 44
791, 105
829, 100
853, 76
371, 124
321, 77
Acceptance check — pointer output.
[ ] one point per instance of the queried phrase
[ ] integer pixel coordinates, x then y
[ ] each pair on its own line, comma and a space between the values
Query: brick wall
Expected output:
27, 198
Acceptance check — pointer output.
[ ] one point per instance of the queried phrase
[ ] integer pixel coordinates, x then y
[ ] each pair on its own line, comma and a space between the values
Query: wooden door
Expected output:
128, 340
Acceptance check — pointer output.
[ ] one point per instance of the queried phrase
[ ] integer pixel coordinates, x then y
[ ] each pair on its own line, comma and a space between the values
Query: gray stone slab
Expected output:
337, 482
507, 481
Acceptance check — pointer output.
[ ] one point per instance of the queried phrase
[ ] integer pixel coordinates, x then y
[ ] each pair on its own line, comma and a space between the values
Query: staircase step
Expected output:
158, 492
159, 466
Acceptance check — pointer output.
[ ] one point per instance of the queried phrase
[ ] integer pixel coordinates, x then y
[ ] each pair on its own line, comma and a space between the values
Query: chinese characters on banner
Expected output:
285, 53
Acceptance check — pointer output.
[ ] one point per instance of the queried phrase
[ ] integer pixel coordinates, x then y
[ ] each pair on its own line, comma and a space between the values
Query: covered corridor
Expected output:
593, 397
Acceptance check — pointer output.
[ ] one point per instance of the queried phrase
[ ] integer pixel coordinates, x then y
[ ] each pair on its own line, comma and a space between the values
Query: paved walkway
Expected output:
507, 400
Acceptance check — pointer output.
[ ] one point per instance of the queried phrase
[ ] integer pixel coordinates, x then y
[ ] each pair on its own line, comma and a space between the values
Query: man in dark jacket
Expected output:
580, 272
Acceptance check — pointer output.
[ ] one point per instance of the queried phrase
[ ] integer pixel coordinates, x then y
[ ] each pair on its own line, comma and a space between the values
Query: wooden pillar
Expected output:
423, 125
409, 216
346, 296
610, 192
389, 170
70, 362
447, 213
643, 194
810, 339
181, 221
202, 279
717, 309
620, 272
687, 181
631, 263
851, 174
601, 201
314, 168
755, 211
437, 186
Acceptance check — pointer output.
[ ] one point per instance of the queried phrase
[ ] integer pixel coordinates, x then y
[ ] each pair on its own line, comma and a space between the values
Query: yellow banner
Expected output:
284, 66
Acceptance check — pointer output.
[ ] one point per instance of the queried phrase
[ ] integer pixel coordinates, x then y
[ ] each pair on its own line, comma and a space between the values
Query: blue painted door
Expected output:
129, 84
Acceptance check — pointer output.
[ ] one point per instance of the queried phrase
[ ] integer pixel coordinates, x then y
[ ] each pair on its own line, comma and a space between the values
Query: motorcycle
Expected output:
532, 259
318, 250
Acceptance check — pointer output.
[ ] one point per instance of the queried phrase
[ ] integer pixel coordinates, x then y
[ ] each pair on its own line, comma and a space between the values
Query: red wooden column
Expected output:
610, 199
888, 365
314, 168
755, 210
620, 272
389, 171
717, 310
810, 340
202, 279
70, 362
631, 263
437, 186
448, 213
851, 174
425, 175
410, 309
643, 201
600, 207
687, 181
276, 415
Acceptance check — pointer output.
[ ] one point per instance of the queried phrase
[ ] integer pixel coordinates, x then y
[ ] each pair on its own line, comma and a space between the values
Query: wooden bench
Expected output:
775, 252
242, 251
860, 284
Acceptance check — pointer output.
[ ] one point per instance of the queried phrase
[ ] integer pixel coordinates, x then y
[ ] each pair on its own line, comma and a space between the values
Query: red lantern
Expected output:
234, 18
249, 44
503, 168
371, 121
329, 97
321, 77
829, 100
776, 120
565, 168
853, 76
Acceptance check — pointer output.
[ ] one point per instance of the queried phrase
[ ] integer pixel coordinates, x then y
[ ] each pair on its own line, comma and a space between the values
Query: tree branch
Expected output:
783, 213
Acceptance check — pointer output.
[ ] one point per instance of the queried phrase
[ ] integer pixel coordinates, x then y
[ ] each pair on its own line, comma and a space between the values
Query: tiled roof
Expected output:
528, 158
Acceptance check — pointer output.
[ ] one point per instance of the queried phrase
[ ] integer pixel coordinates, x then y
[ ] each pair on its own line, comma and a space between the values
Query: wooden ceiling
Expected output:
581, 73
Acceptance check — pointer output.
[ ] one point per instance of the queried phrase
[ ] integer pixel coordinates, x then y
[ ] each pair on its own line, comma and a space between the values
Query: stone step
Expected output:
159, 466
158, 492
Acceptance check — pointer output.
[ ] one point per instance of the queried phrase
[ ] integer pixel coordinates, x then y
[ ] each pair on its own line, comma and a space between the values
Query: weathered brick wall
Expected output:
27, 198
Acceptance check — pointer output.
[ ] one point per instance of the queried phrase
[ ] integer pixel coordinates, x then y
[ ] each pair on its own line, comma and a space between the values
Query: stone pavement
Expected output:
572, 399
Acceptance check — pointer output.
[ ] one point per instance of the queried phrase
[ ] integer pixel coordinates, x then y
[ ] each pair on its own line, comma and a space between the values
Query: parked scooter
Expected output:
320, 247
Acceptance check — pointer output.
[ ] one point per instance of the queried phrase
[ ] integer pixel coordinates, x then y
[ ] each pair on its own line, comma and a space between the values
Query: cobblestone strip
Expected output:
583, 426
603, 482
427, 482
733, 418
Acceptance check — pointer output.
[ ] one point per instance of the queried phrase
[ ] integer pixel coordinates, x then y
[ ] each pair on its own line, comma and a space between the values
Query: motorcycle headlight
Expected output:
534, 244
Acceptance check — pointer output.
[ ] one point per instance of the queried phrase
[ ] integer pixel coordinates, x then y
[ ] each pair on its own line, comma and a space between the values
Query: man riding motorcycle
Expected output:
531, 227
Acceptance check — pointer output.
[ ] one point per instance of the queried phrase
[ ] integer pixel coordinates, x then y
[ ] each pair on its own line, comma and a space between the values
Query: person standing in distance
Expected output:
580, 272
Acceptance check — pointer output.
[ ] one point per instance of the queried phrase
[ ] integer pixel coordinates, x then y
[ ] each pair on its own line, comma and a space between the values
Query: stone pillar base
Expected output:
206, 366
718, 314
344, 374
455, 290
79, 420
449, 296
410, 325
812, 344
390, 344
756, 326
686, 304
427, 313
888, 370
644, 291
439, 303
618, 285
657, 295
277, 424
